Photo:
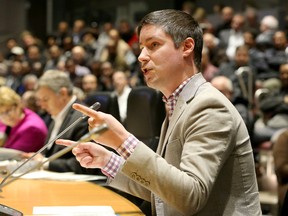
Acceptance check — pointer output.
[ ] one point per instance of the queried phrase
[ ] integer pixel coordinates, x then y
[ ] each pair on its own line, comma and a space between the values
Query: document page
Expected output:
74, 210
66, 176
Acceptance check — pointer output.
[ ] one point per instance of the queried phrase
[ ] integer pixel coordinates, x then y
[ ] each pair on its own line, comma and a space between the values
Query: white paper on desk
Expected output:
74, 210
66, 176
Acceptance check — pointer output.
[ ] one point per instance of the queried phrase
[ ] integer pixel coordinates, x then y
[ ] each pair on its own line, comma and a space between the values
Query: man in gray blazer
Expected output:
204, 163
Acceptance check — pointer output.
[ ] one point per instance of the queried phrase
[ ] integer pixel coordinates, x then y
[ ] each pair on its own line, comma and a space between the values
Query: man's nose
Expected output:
143, 57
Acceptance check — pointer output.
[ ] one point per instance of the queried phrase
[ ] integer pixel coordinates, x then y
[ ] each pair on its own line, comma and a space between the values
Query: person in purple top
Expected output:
21, 128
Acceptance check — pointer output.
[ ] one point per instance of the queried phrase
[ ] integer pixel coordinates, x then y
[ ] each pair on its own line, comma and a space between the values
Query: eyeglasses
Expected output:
8, 112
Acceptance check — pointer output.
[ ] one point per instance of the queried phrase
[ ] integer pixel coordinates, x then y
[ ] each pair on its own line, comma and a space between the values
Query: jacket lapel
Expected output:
186, 96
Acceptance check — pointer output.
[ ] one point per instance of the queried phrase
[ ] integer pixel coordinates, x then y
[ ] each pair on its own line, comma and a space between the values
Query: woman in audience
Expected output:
23, 129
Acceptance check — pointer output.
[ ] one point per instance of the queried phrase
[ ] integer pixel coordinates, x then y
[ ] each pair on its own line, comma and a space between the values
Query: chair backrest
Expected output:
284, 208
145, 115
108, 101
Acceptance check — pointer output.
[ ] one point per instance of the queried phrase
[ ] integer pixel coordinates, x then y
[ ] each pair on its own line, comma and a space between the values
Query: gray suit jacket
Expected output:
204, 163
68, 162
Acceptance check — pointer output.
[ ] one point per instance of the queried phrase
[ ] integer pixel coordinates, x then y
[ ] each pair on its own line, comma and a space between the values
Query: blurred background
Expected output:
97, 38
42, 16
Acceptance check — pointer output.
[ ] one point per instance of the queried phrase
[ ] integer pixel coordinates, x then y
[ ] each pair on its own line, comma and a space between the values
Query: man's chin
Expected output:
149, 83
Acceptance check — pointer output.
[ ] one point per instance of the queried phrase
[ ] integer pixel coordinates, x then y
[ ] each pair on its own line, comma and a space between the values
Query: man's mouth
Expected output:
145, 70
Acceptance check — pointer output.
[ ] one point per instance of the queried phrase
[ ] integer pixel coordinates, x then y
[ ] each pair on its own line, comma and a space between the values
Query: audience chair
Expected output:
246, 83
108, 101
145, 114
284, 208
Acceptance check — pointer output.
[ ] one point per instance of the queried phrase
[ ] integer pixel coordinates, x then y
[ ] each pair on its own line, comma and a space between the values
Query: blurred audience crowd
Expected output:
239, 46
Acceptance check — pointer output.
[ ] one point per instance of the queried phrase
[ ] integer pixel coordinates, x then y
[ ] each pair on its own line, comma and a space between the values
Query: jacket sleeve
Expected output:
194, 156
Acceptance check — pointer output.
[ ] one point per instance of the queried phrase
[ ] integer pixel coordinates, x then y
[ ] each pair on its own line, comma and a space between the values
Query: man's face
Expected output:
242, 58
237, 22
89, 83
119, 81
49, 100
284, 75
280, 40
160, 60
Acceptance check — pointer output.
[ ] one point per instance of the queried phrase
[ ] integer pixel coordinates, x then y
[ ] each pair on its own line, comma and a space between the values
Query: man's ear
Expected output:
188, 46
63, 91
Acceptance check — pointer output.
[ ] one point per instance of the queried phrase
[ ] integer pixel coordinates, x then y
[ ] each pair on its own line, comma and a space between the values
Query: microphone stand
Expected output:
94, 133
95, 106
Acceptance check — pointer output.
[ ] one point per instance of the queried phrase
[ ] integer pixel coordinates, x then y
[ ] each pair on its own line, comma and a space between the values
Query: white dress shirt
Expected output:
122, 102
59, 118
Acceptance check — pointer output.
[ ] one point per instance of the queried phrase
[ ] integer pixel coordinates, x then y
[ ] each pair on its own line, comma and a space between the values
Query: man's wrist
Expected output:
127, 148
113, 165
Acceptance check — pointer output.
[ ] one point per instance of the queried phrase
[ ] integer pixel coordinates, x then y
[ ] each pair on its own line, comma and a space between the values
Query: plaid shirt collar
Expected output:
172, 99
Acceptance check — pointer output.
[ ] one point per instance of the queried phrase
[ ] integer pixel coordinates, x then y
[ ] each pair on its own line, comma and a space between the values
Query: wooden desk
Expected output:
23, 195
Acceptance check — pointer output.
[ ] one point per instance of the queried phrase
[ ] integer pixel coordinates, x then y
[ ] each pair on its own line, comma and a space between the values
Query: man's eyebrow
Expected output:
149, 39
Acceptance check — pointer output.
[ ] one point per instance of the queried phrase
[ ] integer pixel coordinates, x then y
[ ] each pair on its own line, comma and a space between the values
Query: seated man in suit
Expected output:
54, 94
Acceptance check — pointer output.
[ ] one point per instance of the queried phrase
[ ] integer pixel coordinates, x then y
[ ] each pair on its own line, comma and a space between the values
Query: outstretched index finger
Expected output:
85, 110
65, 142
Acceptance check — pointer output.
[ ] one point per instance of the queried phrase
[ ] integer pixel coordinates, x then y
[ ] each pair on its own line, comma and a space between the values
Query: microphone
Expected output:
92, 134
95, 106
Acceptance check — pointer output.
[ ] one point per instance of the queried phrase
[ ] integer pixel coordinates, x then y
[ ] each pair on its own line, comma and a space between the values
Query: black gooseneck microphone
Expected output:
95, 106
